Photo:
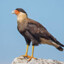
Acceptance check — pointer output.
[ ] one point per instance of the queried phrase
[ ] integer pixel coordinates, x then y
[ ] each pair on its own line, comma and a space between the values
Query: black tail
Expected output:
55, 40
59, 43
60, 48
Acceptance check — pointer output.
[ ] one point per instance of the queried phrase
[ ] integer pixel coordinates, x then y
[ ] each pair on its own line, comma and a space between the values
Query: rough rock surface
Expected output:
22, 60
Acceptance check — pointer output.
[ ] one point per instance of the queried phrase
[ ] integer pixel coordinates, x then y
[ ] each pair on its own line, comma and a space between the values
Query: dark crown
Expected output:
21, 10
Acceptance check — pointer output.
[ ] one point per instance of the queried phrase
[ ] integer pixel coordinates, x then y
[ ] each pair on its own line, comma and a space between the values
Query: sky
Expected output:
50, 13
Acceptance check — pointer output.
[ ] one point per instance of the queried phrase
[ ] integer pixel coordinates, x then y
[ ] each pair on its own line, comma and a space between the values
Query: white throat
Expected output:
21, 16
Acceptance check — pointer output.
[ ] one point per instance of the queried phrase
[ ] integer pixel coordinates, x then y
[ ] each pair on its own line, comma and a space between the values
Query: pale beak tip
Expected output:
13, 12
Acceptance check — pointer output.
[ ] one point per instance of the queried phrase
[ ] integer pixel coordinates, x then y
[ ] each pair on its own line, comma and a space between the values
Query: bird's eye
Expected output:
17, 12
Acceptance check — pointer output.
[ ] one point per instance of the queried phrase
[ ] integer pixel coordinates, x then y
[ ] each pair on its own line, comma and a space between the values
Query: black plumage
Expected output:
21, 10
34, 31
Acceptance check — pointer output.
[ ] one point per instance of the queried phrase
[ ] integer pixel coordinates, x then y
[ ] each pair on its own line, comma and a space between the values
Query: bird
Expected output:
34, 32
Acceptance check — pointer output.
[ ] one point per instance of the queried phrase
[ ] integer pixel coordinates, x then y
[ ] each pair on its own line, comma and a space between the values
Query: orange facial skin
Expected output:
17, 12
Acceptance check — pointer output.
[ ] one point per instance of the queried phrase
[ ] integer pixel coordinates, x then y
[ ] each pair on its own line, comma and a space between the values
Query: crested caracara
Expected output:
34, 32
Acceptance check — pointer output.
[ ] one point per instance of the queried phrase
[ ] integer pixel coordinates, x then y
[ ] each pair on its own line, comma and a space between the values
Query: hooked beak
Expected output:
13, 12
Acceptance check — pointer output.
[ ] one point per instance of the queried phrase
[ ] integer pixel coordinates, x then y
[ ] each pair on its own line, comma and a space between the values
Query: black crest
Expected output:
21, 10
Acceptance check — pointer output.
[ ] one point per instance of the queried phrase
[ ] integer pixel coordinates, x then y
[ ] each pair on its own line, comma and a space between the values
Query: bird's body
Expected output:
34, 32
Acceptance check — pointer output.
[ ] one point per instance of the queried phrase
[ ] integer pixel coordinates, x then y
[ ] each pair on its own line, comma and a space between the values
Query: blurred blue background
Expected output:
49, 13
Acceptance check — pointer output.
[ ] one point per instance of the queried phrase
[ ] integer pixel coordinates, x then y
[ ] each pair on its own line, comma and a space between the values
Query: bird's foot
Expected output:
26, 56
31, 58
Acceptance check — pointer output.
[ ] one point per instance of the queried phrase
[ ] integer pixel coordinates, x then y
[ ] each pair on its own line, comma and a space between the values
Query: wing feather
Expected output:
39, 31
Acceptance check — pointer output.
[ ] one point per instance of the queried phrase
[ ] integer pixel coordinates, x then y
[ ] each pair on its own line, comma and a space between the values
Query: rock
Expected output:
22, 60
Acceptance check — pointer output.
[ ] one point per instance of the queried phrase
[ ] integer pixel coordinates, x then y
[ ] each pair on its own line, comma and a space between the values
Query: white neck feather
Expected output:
21, 16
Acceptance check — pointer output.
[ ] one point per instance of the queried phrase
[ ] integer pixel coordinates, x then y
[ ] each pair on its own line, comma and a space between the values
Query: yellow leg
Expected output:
26, 54
27, 50
32, 53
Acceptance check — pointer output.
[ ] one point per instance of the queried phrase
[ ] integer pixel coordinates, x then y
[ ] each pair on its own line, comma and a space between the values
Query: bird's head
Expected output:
19, 11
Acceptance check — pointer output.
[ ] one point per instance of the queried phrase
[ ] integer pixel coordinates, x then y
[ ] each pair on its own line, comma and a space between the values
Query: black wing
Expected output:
38, 31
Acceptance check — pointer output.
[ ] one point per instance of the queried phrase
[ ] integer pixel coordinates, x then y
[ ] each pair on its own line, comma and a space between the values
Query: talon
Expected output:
26, 56
31, 58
